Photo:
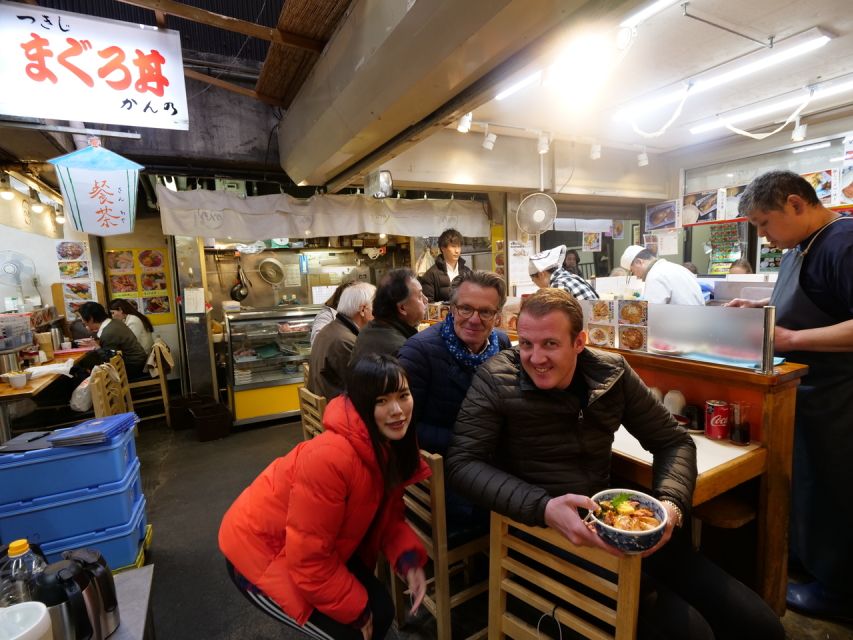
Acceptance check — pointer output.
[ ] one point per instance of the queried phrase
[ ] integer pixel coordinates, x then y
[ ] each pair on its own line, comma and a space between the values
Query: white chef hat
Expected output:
547, 260
629, 255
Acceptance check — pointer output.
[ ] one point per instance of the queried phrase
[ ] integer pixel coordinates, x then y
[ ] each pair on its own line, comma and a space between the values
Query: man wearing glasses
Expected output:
441, 361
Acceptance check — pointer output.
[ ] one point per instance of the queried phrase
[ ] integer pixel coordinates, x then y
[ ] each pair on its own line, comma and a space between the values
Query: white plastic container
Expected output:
25, 621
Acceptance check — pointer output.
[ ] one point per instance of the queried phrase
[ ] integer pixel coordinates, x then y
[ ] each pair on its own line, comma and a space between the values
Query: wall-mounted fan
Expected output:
271, 271
536, 213
17, 270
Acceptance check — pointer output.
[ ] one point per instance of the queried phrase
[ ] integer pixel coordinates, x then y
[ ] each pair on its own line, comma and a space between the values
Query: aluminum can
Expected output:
716, 419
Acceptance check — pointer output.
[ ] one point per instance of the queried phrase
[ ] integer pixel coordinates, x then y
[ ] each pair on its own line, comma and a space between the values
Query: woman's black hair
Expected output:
129, 310
369, 377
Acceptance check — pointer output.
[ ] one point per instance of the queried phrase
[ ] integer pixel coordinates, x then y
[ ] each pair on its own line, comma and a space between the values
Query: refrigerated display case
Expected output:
266, 350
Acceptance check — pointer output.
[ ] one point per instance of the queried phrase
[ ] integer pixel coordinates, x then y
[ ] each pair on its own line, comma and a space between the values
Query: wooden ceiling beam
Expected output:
230, 86
169, 7
161, 19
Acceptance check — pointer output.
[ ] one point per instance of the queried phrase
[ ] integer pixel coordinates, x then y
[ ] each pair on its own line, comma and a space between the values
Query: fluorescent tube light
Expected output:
785, 50
812, 147
518, 86
644, 14
774, 107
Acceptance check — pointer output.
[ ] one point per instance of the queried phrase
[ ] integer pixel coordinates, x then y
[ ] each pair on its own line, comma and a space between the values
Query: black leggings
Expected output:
321, 626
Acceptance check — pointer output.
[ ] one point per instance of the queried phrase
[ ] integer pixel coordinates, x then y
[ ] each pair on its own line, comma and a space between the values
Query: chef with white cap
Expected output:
666, 282
546, 270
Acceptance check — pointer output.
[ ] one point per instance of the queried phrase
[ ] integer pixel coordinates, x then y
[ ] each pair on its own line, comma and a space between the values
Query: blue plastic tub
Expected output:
119, 545
72, 513
32, 474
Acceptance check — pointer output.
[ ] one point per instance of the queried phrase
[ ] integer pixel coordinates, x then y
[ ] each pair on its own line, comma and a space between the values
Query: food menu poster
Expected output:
75, 275
143, 278
700, 206
725, 247
663, 215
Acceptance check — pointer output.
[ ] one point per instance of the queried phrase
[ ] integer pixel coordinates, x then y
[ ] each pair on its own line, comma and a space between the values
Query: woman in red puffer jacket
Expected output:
302, 540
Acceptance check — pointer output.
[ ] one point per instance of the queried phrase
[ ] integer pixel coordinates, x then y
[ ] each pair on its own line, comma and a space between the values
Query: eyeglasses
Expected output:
464, 311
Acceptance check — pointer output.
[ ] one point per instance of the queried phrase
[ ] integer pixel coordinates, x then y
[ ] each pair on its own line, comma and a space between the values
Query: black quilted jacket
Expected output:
516, 446
436, 283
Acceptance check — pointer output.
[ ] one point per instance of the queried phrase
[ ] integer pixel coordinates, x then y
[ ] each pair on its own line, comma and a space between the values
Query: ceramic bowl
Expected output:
17, 380
631, 541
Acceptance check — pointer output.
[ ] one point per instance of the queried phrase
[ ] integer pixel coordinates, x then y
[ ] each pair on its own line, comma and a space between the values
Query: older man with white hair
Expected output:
666, 282
333, 346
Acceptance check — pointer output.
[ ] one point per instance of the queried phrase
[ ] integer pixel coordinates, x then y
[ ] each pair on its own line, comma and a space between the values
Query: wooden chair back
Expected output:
426, 514
117, 363
516, 569
107, 392
311, 406
159, 384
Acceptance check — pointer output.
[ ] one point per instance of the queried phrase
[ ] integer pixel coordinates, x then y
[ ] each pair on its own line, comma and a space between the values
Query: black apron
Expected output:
821, 517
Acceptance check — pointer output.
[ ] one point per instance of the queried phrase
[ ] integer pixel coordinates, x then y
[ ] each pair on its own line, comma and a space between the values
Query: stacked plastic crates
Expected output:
66, 498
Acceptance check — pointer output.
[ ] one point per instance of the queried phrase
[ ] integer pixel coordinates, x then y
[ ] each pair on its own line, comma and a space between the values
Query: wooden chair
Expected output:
311, 406
516, 563
117, 363
160, 382
108, 393
426, 513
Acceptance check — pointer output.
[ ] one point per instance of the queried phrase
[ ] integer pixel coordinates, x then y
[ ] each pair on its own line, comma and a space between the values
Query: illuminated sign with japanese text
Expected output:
66, 66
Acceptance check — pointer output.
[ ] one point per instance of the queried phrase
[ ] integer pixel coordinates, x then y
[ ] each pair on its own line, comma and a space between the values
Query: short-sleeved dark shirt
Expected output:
827, 273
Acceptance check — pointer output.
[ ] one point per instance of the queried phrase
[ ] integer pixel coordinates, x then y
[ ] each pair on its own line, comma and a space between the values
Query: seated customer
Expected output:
533, 441
546, 270
332, 349
141, 326
398, 308
113, 335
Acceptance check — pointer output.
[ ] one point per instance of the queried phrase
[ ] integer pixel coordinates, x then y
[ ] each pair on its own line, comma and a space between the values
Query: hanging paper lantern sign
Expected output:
99, 188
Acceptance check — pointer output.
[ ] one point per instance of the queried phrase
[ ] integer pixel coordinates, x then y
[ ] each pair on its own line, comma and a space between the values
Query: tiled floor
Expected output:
190, 484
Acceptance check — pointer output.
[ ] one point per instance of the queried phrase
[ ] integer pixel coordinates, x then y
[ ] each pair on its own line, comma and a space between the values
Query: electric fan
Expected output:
536, 213
17, 269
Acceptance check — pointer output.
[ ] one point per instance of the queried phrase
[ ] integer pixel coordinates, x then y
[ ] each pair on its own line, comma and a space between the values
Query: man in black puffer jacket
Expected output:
533, 440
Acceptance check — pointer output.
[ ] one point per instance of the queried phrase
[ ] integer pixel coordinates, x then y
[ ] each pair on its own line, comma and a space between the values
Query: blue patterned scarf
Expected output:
460, 351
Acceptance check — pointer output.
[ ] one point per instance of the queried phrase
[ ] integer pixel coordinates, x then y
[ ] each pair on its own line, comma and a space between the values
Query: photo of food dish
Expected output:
847, 185
617, 230
591, 242
632, 338
822, 183
77, 290
72, 306
632, 312
151, 258
699, 207
602, 311
602, 336
76, 269
154, 281
123, 284
120, 260
70, 250
664, 348
661, 216
157, 304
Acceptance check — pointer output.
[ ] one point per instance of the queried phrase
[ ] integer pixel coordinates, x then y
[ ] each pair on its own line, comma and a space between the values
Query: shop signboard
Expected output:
66, 66
99, 188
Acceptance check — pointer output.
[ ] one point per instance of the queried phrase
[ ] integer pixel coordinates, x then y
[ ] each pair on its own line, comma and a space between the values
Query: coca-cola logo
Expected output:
719, 421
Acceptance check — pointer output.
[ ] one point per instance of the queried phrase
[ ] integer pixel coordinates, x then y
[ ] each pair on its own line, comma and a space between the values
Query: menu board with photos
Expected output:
143, 278
75, 275
725, 247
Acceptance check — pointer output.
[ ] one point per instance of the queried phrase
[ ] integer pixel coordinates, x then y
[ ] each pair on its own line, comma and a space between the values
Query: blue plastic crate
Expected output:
119, 545
32, 474
72, 513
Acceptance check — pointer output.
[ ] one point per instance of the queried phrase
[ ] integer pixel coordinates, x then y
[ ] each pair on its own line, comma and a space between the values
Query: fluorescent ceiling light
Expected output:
464, 125
644, 14
518, 86
785, 50
836, 159
773, 107
812, 147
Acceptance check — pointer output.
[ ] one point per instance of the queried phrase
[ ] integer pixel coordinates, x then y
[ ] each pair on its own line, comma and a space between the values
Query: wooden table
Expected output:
33, 387
723, 466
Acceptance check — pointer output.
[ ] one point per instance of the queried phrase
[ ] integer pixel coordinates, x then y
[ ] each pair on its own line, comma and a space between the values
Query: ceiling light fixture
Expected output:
6, 190
643, 158
812, 147
635, 19
518, 86
595, 152
543, 145
35, 203
799, 132
464, 125
489, 141
773, 107
742, 67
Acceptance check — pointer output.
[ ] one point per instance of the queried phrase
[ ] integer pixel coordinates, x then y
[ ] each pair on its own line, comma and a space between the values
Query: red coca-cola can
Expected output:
716, 419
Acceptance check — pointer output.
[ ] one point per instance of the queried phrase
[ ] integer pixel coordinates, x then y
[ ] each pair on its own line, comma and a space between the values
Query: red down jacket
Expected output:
292, 531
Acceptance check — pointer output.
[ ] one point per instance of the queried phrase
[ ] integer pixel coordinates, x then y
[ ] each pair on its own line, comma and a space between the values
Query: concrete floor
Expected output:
190, 484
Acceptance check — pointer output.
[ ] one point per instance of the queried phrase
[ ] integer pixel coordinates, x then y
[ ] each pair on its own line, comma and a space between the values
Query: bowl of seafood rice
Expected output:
629, 520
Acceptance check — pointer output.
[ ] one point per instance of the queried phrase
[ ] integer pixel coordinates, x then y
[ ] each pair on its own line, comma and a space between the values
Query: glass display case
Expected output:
266, 350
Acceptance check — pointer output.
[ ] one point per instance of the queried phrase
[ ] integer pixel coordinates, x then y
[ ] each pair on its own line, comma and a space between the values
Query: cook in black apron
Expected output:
821, 517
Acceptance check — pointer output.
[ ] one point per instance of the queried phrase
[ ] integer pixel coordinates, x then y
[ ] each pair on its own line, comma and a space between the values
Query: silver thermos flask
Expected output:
57, 338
